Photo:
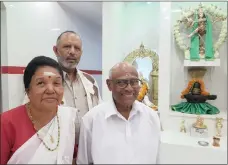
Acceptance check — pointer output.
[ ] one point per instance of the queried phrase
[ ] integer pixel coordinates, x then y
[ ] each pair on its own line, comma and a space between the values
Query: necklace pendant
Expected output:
52, 139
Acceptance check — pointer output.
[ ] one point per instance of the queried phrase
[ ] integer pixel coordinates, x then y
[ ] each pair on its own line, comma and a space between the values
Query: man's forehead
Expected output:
67, 35
122, 69
124, 74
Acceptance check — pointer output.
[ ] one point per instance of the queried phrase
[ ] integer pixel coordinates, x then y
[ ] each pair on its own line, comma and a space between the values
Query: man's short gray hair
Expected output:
67, 31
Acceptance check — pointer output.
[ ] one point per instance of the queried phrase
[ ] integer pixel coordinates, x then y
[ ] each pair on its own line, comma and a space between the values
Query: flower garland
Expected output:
142, 92
210, 9
190, 84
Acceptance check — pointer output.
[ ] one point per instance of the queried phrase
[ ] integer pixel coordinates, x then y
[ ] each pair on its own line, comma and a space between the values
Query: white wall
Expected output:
111, 40
4, 78
32, 29
140, 25
125, 26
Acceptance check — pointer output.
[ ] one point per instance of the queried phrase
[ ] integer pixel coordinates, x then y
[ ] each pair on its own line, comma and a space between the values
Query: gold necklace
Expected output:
52, 140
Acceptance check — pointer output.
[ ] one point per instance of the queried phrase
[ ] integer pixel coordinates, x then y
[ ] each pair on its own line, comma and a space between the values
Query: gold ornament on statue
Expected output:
199, 123
197, 72
219, 126
182, 127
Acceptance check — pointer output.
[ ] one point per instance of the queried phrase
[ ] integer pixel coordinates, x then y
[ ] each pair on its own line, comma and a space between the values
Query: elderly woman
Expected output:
40, 131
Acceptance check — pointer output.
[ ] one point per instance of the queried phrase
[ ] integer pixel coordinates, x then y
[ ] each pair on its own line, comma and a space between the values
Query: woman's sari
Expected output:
33, 151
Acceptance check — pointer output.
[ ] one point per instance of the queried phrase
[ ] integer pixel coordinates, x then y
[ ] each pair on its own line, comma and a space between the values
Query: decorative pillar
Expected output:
164, 52
111, 40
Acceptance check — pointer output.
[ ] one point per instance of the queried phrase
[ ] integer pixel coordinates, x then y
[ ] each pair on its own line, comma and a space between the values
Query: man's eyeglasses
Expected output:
123, 83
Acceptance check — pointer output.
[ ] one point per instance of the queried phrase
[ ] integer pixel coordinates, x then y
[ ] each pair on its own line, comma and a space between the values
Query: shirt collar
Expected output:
113, 111
65, 75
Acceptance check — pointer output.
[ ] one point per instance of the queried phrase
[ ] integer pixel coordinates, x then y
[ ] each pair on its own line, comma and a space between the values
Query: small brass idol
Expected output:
216, 141
198, 128
199, 123
219, 126
182, 127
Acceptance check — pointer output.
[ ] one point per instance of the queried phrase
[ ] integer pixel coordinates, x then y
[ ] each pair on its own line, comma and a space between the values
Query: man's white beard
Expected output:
66, 65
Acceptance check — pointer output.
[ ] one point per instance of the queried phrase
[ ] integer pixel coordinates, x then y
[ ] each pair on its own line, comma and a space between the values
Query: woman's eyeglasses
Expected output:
123, 83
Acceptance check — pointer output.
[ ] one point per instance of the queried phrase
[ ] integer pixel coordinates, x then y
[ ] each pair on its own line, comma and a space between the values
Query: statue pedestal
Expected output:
188, 149
202, 62
199, 132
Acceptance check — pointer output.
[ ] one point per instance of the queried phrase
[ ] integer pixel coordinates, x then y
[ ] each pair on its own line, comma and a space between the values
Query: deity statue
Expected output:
219, 126
196, 97
201, 23
142, 96
182, 127
199, 123
201, 36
